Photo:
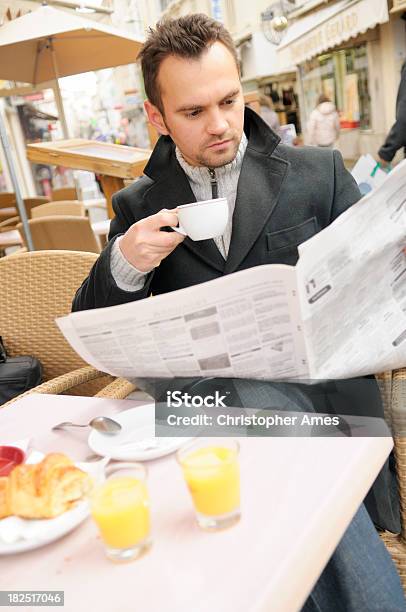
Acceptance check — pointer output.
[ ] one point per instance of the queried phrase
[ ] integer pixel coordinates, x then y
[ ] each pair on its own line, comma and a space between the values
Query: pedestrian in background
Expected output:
397, 135
324, 123
268, 113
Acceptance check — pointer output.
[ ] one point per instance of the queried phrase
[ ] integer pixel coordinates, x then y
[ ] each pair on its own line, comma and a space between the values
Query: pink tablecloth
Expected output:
298, 496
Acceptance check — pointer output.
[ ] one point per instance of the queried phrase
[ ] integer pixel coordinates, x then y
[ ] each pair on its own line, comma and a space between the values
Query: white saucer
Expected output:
136, 441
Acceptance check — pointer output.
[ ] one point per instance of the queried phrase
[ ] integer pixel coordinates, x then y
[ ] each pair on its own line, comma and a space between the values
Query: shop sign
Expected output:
327, 31
343, 27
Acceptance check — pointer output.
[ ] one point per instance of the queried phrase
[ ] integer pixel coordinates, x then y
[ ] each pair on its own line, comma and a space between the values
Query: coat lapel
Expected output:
259, 186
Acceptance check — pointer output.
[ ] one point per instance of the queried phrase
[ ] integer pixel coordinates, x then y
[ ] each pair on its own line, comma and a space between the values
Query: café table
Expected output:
298, 497
113, 163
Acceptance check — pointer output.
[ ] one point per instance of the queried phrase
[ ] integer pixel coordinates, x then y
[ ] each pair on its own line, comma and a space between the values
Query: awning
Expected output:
329, 27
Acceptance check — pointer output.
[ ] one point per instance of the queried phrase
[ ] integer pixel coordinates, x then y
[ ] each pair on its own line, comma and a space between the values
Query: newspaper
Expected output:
340, 312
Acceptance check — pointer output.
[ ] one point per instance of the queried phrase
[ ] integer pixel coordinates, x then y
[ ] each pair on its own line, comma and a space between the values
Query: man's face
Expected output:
203, 106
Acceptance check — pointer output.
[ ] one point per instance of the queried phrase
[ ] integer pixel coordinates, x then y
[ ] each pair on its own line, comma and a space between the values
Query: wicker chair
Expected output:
31, 203
63, 207
65, 232
7, 198
9, 224
37, 287
7, 205
64, 193
9, 236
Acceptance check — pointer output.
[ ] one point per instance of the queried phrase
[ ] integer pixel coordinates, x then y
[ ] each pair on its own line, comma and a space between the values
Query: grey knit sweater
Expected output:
126, 276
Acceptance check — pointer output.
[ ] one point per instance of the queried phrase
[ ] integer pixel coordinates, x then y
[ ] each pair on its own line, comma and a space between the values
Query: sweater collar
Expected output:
199, 174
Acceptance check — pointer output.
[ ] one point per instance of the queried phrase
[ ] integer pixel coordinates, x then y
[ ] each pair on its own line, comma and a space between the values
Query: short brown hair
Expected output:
186, 37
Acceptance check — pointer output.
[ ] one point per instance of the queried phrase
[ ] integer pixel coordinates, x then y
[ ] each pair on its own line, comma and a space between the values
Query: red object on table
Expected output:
10, 457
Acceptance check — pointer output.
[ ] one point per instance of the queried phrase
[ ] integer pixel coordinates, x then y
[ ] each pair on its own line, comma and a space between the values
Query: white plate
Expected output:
41, 532
20, 535
136, 441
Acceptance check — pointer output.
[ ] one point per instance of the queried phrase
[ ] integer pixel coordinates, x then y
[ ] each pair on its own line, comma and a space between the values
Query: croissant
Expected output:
4, 505
43, 490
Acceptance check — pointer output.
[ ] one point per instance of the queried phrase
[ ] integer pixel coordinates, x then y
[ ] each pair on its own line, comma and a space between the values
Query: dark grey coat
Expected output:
285, 195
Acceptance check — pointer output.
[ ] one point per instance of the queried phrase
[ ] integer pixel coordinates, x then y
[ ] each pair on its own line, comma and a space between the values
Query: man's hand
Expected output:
145, 246
383, 163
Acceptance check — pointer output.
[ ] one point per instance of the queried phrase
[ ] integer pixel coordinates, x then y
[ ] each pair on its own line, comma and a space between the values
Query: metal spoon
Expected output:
102, 424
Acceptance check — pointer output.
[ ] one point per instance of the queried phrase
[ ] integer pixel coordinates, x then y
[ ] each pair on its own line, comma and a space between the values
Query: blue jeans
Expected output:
360, 576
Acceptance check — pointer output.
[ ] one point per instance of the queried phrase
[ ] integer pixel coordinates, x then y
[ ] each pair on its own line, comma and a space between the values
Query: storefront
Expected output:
281, 90
260, 72
337, 52
343, 77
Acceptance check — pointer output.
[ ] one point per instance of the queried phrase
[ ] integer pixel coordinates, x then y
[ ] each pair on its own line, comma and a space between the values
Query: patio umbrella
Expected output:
47, 44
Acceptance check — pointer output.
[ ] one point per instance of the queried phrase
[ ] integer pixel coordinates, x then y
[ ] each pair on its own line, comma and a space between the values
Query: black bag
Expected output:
17, 374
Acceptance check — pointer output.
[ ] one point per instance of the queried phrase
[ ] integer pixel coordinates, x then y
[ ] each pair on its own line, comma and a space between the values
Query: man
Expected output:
278, 197
397, 135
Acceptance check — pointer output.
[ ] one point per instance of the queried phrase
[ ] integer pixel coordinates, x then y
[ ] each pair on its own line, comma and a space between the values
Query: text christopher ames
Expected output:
253, 420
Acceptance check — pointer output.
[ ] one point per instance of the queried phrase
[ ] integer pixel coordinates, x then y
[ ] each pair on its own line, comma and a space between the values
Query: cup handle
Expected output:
180, 230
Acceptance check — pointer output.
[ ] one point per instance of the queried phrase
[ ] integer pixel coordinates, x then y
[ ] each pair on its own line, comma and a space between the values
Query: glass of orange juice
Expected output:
120, 509
211, 471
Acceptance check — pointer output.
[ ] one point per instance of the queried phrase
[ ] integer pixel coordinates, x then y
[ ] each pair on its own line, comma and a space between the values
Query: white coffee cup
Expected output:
203, 220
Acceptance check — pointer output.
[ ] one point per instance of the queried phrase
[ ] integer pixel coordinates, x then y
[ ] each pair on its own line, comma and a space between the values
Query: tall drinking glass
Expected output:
211, 471
120, 509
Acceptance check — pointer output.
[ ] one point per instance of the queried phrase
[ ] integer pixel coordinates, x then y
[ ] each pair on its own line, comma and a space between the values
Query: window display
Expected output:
343, 77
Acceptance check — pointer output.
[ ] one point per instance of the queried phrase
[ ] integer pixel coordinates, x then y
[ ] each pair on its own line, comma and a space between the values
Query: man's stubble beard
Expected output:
211, 160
